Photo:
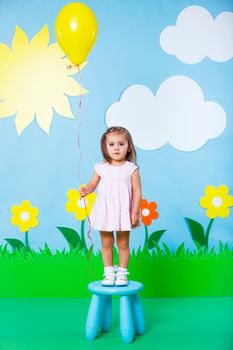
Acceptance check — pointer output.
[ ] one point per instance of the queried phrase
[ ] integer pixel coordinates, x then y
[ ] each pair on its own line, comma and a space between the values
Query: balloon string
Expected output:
89, 236
80, 123
79, 168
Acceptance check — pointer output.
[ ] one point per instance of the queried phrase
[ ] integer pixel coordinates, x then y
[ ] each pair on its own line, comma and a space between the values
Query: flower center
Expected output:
145, 212
217, 201
24, 216
82, 203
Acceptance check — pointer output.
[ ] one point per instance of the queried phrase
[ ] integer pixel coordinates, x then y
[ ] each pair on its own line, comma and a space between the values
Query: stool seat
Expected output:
100, 310
132, 288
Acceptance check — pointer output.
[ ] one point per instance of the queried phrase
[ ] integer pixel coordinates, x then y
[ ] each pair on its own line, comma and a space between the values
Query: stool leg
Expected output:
93, 317
137, 312
126, 320
106, 313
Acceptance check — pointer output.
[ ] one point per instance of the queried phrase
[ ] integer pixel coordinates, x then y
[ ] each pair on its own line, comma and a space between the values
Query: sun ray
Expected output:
41, 38
44, 119
73, 69
62, 107
72, 88
23, 119
20, 41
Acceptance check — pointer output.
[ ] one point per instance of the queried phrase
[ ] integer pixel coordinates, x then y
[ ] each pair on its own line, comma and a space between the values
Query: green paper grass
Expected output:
164, 273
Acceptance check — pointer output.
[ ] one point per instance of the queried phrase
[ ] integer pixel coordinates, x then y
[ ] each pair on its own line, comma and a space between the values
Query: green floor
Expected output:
49, 324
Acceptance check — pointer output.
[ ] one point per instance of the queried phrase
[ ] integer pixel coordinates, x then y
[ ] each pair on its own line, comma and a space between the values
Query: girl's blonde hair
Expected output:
131, 154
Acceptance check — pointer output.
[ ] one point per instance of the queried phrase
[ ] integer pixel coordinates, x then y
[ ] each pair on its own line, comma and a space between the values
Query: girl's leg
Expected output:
122, 241
107, 239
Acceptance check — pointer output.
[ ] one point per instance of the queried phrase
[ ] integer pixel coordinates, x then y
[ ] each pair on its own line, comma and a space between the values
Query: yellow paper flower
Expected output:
81, 206
35, 79
24, 216
217, 201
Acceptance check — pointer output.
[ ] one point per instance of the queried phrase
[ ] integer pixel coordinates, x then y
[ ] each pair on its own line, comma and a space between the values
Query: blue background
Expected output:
42, 168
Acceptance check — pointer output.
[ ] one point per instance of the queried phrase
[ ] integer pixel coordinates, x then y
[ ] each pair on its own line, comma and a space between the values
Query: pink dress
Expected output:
112, 207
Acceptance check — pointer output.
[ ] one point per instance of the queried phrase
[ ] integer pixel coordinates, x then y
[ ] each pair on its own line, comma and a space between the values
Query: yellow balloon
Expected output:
76, 30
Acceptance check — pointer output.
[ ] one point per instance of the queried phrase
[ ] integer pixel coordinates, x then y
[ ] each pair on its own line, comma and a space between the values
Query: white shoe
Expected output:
109, 276
121, 277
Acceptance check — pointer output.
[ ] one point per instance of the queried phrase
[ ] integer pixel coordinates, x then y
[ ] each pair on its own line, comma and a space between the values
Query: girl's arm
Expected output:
137, 197
91, 186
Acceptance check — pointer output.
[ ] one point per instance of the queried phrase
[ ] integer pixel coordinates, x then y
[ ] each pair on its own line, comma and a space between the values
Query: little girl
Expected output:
117, 206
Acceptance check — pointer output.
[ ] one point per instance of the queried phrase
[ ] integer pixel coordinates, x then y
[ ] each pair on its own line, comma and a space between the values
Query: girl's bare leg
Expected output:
122, 241
107, 239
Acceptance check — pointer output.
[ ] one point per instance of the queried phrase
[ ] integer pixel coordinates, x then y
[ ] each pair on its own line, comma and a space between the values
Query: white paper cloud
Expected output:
177, 114
197, 35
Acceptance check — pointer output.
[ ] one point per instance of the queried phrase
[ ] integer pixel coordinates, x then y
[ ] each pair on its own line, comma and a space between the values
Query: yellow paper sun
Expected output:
34, 78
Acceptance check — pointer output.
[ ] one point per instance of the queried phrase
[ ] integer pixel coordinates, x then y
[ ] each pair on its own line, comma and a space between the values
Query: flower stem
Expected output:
83, 243
146, 236
26, 240
208, 232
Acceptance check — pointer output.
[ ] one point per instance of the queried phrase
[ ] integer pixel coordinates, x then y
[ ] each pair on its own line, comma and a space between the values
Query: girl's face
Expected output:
117, 147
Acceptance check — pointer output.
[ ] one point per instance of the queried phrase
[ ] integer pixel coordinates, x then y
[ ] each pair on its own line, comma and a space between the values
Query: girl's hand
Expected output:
135, 220
84, 191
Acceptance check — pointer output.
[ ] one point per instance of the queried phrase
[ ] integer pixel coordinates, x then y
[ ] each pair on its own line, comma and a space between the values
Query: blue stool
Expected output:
100, 310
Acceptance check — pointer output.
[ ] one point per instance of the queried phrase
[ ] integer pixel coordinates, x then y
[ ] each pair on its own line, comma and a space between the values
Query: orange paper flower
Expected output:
148, 212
